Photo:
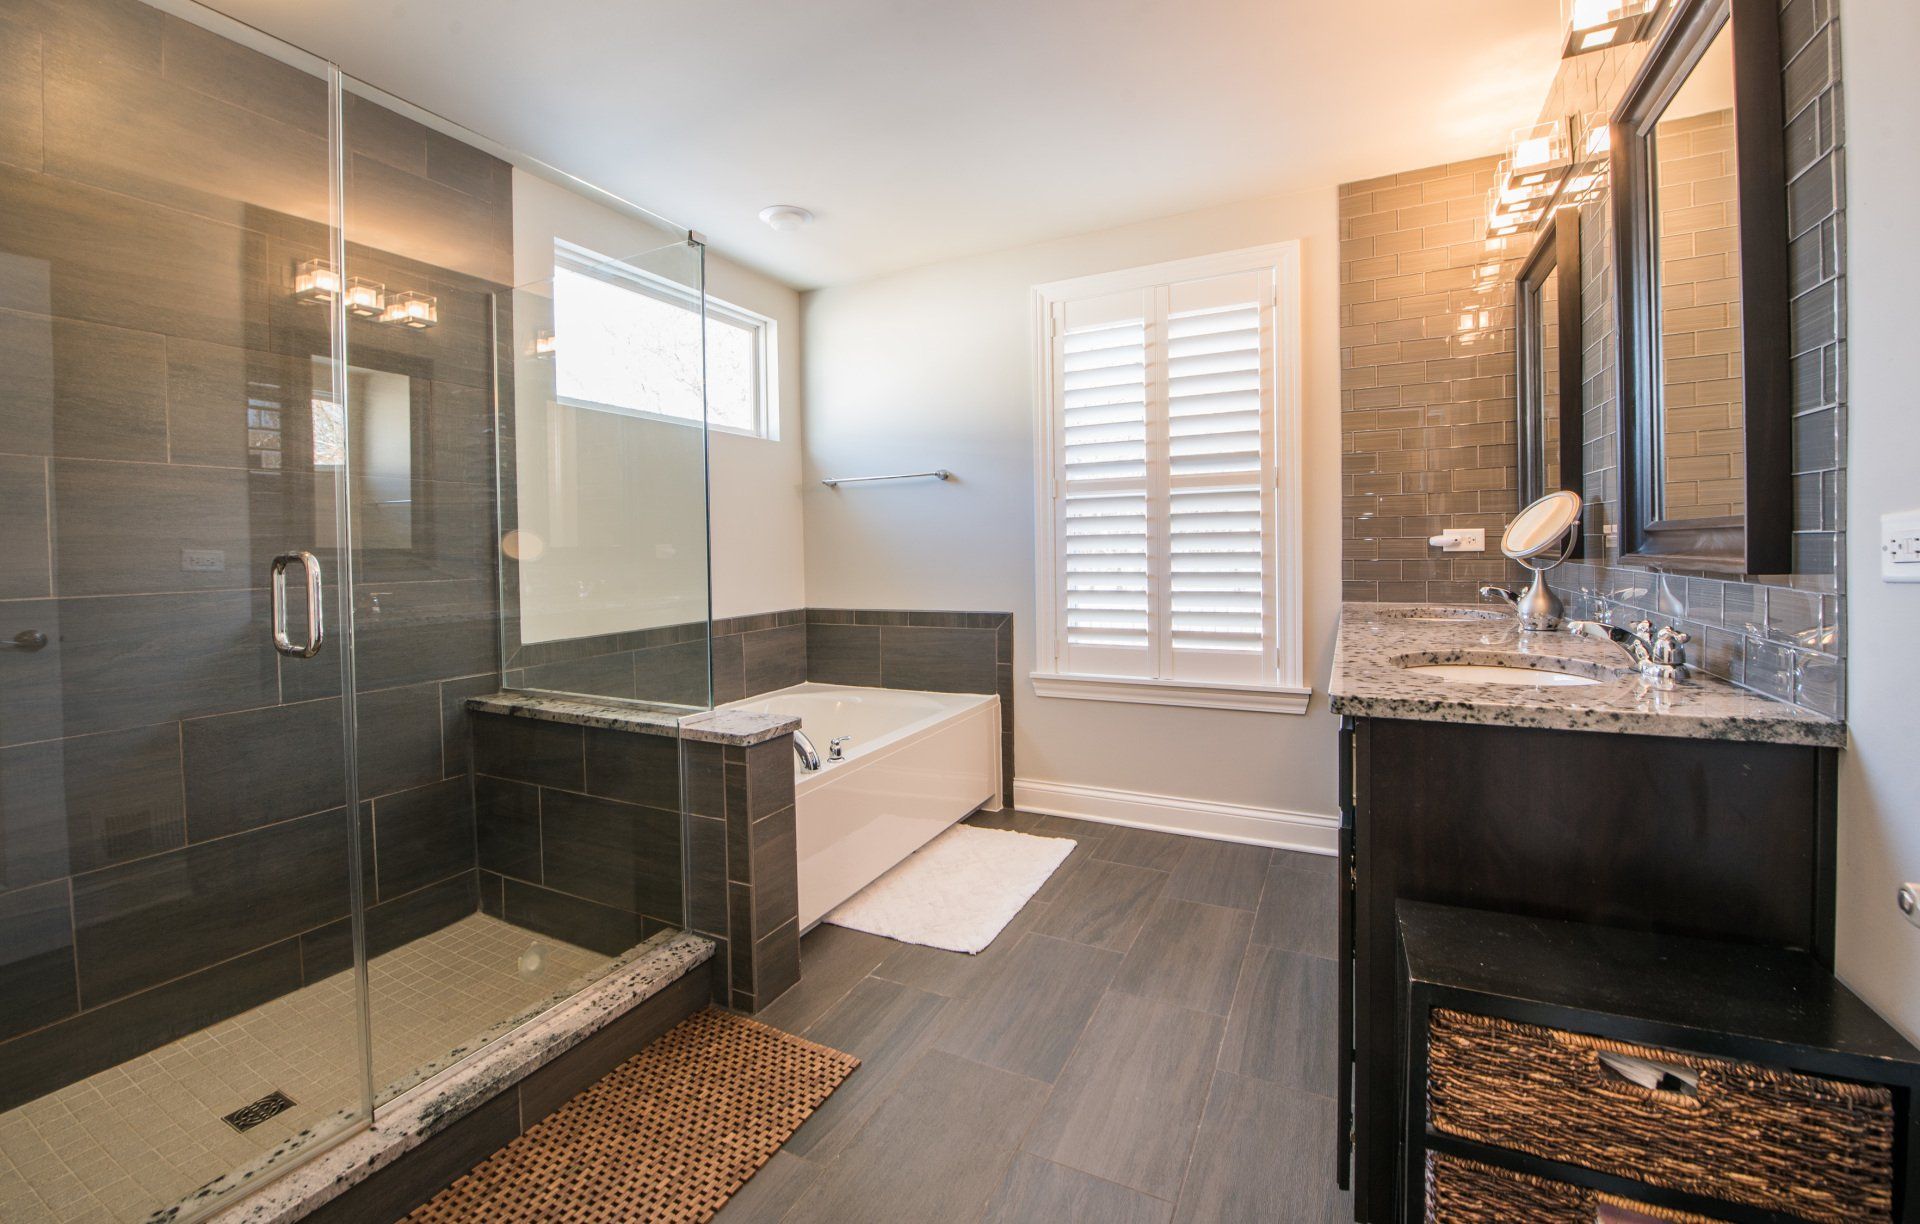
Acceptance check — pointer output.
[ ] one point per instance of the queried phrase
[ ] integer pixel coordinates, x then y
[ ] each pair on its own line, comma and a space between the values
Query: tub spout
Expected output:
808, 754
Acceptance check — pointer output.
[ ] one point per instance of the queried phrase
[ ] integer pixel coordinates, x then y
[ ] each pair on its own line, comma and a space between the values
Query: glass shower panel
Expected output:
491, 893
179, 995
607, 547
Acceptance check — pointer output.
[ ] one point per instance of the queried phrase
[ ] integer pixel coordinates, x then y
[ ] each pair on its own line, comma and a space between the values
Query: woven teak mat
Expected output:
669, 1135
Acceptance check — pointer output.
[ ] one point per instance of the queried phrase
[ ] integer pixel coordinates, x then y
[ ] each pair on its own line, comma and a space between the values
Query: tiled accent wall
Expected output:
578, 830
743, 858
173, 828
954, 652
1427, 422
1778, 634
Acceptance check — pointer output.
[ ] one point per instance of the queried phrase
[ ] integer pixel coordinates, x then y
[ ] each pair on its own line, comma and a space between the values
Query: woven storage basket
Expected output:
1467, 1192
1816, 1148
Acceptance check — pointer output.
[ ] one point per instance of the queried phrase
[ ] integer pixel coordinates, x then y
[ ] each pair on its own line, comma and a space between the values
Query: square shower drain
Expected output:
247, 1117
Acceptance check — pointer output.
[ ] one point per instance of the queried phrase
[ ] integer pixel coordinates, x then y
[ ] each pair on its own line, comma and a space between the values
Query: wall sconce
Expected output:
365, 298
1539, 154
1594, 25
543, 345
415, 310
1510, 197
315, 281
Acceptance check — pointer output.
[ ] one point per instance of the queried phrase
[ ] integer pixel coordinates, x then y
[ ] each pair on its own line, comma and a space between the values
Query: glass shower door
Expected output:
180, 986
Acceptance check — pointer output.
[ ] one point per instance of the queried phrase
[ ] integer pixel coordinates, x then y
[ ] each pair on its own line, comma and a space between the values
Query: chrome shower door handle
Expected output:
316, 613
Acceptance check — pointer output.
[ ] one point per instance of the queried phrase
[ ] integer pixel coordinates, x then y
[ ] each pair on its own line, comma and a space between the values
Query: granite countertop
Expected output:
739, 728
1368, 681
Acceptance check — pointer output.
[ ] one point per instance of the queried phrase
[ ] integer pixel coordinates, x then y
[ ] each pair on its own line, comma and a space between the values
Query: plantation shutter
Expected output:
1163, 483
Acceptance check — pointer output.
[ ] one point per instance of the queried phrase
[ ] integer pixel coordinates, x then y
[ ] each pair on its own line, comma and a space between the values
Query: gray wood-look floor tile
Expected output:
1282, 1027
936, 1149
1078, 857
956, 974
1039, 1191
770, 1193
1142, 847
1265, 1153
886, 1026
1220, 873
1102, 904
1028, 1016
1006, 818
1299, 911
1313, 864
1187, 954
1128, 1104
1067, 826
833, 960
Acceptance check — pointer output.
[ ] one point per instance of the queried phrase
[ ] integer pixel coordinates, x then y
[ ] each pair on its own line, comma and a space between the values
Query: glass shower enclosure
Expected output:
276, 461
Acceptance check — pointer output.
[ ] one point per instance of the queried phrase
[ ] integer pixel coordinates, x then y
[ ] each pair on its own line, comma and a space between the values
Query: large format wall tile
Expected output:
36, 958
507, 820
73, 805
936, 659
229, 792
20, 110
24, 564
422, 836
70, 388
155, 919
618, 854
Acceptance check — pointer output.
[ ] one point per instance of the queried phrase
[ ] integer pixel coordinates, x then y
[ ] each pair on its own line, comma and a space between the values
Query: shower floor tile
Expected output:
138, 1137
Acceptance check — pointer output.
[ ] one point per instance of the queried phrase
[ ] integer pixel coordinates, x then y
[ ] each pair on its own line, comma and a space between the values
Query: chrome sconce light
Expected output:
1594, 25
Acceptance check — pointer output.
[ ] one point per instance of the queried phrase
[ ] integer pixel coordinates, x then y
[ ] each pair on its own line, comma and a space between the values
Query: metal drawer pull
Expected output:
316, 615
1653, 1076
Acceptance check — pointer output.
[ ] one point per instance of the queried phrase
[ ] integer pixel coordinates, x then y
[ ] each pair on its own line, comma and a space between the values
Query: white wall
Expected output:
1879, 953
934, 368
616, 499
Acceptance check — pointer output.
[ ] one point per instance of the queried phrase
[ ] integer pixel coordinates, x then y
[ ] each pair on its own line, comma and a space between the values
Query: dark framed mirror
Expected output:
1547, 314
1700, 234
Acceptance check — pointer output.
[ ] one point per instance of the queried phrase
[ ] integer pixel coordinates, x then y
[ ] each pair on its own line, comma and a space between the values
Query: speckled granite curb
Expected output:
406, 1122
739, 728
1371, 679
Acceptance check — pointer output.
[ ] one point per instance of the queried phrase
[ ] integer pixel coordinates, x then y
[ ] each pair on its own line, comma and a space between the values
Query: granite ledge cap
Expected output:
734, 728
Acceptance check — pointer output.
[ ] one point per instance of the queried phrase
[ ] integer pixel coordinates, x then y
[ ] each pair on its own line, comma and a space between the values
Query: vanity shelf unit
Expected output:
1707, 838
1778, 1094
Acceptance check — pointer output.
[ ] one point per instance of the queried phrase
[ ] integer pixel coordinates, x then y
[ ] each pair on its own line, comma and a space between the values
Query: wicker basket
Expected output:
1816, 1148
1467, 1192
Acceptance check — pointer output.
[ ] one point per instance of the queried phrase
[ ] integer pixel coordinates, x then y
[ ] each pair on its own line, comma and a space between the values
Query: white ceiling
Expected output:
918, 130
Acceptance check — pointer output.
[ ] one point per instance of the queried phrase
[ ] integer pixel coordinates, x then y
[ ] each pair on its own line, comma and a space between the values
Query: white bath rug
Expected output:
958, 891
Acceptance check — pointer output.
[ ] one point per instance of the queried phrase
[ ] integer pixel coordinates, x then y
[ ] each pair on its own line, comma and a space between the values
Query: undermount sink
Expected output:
1505, 667
1444, 614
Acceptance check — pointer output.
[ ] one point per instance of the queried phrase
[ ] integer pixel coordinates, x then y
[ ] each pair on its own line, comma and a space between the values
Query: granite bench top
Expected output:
738, 728
1370, 680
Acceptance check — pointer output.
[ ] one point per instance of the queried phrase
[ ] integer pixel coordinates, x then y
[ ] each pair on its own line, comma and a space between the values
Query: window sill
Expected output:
1259, 699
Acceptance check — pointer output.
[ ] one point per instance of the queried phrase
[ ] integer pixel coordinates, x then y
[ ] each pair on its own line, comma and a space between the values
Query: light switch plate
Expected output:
1900, 546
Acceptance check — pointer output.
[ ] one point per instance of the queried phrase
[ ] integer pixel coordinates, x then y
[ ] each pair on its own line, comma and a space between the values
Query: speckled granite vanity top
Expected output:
1371, 678
740, 728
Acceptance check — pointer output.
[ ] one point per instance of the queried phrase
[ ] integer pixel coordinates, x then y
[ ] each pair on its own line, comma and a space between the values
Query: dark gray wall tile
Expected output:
607, 675
770, 777
36, 958
398, 740
938, 660
145, 922
585, 924
416, 631
215, 397
75, 389
25, 571
707, 882
676, 674
776, 881
729, 669
617, 854
228, 789
773, 658
643, 769
776, 964
528, 750
49, 1058
328, 950
456, 750
78, 804
422, 836
843, 654
507, 820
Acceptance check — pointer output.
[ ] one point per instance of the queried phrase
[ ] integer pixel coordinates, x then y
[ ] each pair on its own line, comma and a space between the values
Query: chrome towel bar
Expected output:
837, 481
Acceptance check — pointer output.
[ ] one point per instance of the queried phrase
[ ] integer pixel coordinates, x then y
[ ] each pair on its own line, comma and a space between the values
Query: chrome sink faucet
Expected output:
1658, 656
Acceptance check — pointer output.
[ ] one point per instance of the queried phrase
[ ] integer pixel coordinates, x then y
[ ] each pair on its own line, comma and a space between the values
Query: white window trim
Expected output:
1289, 693
575, 258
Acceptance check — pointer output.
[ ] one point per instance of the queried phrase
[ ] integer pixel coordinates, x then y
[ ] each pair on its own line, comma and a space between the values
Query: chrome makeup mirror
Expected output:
1531, 538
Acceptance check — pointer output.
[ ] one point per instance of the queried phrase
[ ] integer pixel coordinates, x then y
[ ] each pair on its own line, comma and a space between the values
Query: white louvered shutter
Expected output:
1164, 481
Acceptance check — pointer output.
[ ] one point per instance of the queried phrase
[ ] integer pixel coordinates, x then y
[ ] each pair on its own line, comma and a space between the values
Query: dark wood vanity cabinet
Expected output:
1709, 838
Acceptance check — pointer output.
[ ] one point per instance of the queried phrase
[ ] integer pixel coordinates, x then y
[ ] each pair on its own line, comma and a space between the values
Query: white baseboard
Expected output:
1304, 831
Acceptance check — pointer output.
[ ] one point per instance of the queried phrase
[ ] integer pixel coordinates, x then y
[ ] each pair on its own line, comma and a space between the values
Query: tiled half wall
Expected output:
1427, 392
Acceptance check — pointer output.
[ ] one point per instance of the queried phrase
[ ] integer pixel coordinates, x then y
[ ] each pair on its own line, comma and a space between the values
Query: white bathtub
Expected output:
917, 763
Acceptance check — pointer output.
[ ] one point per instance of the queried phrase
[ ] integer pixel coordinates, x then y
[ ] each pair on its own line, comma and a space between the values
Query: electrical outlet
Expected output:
1909, 902
203, 560
1900, 546
1460, 539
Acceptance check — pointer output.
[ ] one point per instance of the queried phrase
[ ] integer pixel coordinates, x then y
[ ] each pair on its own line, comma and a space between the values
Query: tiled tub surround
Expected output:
944, 652
1369, 681
580, 832
1781, 635
173, 827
